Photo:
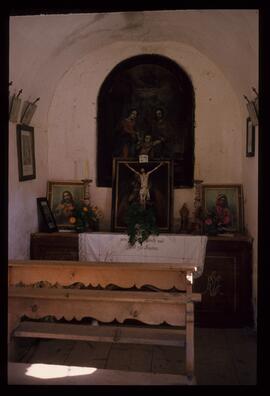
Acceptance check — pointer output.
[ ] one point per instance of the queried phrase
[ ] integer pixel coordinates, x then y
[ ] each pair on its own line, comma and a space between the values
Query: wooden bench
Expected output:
59, 297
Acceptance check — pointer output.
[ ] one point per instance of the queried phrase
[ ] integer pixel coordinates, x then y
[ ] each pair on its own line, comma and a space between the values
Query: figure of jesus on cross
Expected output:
144, 182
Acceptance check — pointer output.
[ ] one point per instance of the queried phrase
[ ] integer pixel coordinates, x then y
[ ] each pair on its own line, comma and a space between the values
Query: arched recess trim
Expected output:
155, 86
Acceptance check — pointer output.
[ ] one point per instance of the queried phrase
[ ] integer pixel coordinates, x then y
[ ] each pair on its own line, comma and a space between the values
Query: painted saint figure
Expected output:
65, 208
224, 218
128, 136
219, 218
144, 192
148, 145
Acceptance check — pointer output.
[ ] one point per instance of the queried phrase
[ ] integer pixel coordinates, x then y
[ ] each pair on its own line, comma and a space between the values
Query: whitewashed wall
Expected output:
56, 65
72, 131
22, 203
250, 183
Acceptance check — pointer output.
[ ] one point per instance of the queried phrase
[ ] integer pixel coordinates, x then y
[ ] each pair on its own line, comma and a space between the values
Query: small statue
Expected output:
184, 213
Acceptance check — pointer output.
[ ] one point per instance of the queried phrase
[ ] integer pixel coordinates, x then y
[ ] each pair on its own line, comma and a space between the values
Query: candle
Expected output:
197, 171
86, 170
75, 170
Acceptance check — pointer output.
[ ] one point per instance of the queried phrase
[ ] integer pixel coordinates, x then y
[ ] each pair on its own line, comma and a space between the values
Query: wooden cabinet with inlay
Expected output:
226, 284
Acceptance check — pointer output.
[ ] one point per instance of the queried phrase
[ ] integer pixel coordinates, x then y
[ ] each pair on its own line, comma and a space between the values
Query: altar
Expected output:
183, 250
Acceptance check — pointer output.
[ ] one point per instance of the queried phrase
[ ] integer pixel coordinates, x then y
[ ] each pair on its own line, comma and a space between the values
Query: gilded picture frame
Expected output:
230, 197
62, 197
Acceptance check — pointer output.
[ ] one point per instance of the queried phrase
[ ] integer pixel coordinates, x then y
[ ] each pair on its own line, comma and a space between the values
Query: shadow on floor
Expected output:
222, 356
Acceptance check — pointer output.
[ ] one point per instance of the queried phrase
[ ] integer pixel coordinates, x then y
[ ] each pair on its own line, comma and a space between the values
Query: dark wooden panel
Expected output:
54, 246
226, 284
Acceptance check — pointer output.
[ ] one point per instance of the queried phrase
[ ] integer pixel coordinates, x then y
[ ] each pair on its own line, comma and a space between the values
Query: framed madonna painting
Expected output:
223, 208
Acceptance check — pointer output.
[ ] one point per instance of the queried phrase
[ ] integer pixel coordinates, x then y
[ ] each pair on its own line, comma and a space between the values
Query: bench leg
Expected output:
13, 321
190, 340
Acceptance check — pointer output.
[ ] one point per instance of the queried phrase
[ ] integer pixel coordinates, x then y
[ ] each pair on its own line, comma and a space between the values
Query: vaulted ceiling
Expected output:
44, 47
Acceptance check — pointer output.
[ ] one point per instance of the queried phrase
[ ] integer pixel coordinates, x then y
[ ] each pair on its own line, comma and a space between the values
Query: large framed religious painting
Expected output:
146, 107
148, 184
26, 152
63, 197
223, 208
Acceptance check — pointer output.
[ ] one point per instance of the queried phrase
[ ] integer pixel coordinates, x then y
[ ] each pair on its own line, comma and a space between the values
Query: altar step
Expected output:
48, 374
101, 333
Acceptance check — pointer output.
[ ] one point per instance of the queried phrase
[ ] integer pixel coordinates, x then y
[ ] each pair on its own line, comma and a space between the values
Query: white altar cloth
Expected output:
187, 250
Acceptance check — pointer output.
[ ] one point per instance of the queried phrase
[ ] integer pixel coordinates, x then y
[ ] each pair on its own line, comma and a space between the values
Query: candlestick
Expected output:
197, 207
86, 183
75, 170
86, 170
197, 199
197, 171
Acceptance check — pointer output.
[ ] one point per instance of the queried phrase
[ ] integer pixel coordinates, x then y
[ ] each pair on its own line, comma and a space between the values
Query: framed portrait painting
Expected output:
149, 184
26, 152
223, 208
62, 197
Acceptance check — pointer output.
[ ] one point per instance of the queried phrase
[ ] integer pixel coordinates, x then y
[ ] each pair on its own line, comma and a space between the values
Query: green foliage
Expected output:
141, 223
85, 216
211, 222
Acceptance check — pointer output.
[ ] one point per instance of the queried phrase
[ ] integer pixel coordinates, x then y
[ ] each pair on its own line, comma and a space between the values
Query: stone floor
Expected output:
222, 356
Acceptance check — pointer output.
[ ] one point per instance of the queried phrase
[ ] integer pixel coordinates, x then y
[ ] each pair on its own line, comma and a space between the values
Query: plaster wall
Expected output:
65, 58
72, 131
22, 203
250, 183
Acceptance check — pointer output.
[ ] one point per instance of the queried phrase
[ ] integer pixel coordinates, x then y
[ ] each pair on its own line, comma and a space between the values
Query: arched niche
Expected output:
162, 94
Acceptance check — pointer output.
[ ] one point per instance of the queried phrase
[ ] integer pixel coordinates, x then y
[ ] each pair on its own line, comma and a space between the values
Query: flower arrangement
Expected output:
141, 223
210, 222
85, 216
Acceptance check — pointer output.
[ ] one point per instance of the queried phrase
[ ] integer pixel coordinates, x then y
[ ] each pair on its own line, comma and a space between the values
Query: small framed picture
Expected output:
223, 206
26, 152
46, 218
250, 139
63, 197
149, 184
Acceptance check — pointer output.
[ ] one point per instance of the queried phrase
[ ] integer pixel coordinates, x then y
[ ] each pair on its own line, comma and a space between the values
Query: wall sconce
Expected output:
256, 101
28, 111
253, 108
14, 105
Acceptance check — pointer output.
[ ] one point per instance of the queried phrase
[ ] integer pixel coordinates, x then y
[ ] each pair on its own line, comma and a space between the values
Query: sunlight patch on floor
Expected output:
45, 371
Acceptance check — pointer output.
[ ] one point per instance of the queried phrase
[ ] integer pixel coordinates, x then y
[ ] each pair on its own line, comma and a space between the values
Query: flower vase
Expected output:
92, 225
211, 231
80, 228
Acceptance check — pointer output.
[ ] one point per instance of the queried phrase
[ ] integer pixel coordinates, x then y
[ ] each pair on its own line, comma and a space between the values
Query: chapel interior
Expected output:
73, 79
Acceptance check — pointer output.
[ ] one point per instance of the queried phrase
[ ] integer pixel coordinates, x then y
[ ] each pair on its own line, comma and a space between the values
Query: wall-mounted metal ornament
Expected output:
253, 108
256, 101
28, 111
14, 105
